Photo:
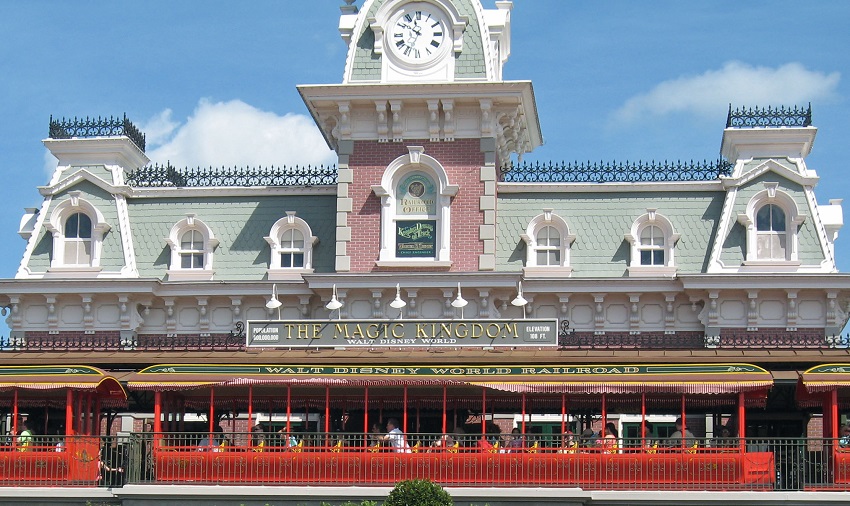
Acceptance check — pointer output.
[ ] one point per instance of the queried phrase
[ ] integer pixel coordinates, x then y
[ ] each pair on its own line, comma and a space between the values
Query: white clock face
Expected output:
418, 35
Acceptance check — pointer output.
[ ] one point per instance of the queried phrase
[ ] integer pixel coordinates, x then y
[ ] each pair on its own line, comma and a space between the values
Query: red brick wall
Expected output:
462, 160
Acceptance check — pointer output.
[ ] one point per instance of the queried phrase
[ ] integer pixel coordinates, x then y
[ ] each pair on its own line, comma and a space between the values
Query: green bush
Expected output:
418, 493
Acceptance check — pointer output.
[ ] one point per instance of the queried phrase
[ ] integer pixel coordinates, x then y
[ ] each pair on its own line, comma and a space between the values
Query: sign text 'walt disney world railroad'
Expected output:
404, 333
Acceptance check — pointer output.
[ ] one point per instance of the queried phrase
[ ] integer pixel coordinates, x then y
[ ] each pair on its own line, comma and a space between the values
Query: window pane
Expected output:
192, 240
555, 257
646, 257
72, 226
541, 258
198, 260
286, 238
298, 260
763, 218
85, 226
658, 257
185, 261
778, 217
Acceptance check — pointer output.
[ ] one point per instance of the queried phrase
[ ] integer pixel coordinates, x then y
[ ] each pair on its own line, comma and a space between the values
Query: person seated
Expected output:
610, 440
569, 444
724, 438
844, 437
587, 439
442, 444
682, 437
258, 438
516, 441
215, 442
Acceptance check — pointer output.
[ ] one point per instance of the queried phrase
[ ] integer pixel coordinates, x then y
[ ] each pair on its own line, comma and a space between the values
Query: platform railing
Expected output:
495, 460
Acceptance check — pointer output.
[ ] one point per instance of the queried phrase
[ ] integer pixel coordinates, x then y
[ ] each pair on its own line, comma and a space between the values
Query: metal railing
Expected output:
96, 127
616, 172
157, 176
769, 117
493, 460
235, 341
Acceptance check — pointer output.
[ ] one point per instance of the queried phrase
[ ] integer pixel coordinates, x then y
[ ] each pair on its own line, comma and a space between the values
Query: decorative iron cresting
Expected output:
96, 127
567, 339
771, 117
616, 172
158, 176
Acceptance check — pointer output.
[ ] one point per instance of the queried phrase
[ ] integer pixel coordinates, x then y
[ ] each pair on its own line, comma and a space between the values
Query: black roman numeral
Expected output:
435, 43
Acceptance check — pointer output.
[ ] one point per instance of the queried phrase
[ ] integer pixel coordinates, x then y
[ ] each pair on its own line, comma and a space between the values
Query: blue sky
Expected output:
212, 83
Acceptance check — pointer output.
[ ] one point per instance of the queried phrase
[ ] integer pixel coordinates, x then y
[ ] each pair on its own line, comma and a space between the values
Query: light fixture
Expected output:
520, 301
274, 302
459, 302
334, 304
398, 302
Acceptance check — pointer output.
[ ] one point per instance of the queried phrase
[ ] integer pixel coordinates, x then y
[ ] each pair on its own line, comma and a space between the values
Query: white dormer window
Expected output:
653, 240
772, 222
78, 228
192, 244
547, 239
291, 242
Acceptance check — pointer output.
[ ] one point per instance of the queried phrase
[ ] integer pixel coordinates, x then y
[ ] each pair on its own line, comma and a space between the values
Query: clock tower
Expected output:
420, 124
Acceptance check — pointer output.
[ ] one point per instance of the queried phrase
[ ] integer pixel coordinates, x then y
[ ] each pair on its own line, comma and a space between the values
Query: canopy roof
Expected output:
588, 379
827, 377
59, 378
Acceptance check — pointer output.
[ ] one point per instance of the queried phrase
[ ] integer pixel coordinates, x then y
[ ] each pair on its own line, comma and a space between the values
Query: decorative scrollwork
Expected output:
96, 127
616, 172
770, 117
157, 176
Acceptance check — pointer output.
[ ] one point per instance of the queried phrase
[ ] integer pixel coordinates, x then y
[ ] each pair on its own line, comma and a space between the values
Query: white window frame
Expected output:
652, 218
793, 219
276, 270
56, 226
530, 237
415, 161
176, 272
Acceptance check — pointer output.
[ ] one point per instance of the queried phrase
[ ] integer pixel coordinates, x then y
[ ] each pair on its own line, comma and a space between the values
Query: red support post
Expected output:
69, 412
404, 407
483, 412
15, 415
445, 407
327, 409
742, 423
288, 409
250, 408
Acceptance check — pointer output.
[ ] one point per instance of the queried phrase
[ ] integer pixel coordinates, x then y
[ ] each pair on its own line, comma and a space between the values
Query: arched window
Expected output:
192, 244
548, 246
548, 240
78, 243
771, 234
291, 242
651, 247
192, 250
416, 211
771, 221
292, 248
78, 228
653, 240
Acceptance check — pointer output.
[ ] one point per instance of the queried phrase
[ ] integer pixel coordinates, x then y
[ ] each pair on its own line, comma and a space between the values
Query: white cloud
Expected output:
709, 95
228, 134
